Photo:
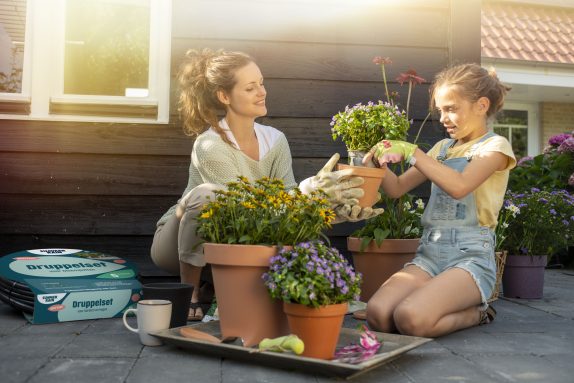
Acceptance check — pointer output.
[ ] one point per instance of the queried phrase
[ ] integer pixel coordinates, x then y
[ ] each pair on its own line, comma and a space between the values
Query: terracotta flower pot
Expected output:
377, 264
246, 310
318, 328
373, 178
523, 276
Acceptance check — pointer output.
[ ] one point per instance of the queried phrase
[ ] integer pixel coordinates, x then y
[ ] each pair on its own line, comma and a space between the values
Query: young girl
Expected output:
231, 82
446, 286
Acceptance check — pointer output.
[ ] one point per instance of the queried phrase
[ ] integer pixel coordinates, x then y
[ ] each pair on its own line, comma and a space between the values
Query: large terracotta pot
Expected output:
378, 263
318, 328
523, 276
373, 178
246, 310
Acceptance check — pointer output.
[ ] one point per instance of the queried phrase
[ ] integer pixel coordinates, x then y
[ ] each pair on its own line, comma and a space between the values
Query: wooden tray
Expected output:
393, 346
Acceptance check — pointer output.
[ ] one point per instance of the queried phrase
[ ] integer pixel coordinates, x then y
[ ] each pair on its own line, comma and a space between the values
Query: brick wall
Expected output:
556, 118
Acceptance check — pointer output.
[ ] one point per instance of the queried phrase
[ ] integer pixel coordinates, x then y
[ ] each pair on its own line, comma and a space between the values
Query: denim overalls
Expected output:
452, 236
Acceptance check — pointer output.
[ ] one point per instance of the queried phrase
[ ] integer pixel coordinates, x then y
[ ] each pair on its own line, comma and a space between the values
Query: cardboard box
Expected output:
71, 284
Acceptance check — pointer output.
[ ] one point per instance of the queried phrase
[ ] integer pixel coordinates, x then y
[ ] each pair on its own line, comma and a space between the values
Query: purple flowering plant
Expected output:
551, 170
536, 222
312, 274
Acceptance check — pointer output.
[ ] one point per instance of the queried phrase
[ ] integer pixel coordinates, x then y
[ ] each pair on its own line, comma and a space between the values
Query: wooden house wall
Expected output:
103, 186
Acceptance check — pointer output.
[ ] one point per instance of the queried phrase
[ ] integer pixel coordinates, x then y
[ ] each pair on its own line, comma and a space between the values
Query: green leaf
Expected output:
245, 238
381, 235
364, 243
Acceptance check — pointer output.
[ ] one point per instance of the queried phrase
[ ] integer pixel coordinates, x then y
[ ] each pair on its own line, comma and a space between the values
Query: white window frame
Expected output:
533, 128
43, 69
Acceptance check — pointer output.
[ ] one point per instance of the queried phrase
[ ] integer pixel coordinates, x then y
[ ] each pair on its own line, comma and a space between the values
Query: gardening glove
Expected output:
354, 213
390, 151
339, 186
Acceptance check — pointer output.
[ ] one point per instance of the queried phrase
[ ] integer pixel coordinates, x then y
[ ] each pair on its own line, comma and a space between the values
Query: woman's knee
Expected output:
203, 193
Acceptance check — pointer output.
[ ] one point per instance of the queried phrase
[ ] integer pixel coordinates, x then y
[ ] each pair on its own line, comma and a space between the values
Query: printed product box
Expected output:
69, 284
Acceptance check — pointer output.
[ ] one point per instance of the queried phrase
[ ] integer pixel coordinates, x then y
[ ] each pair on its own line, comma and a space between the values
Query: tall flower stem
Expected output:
421, 127
409, 98
385, 82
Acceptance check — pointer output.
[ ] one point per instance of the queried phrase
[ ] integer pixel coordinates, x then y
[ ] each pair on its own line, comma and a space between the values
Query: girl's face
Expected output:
247, 98
463, 120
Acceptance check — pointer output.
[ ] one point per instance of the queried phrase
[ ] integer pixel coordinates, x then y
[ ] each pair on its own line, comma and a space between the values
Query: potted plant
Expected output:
243, 228
389, 240
538, 223
315, 283
386, 242
551, 170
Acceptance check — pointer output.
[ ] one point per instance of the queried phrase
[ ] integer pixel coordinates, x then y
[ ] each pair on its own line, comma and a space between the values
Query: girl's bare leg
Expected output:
447, 303
382, 304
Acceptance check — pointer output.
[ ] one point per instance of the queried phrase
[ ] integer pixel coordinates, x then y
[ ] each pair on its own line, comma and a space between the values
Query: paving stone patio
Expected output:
530, 341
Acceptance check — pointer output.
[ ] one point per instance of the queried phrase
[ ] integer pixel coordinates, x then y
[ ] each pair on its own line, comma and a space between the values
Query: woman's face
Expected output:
463, 120
247, 98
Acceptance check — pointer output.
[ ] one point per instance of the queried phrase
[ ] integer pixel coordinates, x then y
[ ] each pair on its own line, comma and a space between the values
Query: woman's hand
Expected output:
340, 186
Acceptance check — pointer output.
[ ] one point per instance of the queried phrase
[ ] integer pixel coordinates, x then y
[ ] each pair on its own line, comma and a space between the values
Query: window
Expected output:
89, 60
518, 123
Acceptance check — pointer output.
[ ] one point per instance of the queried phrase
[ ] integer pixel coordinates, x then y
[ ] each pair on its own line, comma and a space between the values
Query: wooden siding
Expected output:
102, 186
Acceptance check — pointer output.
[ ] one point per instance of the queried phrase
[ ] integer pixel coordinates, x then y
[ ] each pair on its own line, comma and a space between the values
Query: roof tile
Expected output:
527, 32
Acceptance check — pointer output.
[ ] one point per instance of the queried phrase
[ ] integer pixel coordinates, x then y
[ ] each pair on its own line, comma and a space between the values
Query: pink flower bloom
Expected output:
567, 146
382, 60
410, 76
571, 180
558, 139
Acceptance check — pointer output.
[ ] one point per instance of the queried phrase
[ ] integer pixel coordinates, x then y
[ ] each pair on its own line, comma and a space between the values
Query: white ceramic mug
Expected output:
152, 315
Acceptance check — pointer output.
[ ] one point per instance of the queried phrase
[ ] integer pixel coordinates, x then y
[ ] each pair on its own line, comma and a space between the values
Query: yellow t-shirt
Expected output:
489, 196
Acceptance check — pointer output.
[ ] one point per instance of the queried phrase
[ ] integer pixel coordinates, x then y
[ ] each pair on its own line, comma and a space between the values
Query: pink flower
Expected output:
558, 139
571, 180
567, 146
382, 60
411, 76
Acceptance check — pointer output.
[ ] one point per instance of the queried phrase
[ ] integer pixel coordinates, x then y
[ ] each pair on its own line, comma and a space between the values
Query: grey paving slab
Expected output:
169, 364
237, 372
522, 368
530, 341
19, 369
449, 367
84, 370
103, 346
32, 346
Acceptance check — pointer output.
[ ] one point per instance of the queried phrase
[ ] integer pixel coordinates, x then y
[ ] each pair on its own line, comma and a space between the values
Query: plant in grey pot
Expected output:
532, 226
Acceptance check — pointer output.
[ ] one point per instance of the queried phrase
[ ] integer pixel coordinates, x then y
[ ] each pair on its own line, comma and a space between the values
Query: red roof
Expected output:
527, 32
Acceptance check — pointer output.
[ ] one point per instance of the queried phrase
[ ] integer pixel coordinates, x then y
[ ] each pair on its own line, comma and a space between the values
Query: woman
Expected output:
446, 286
231, 82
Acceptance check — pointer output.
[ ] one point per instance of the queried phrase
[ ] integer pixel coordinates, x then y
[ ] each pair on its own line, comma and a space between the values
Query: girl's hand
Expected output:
389, 151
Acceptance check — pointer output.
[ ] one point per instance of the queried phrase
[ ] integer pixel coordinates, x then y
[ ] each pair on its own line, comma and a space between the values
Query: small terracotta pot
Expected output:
318, 328
373, 178
378, 263
246, 309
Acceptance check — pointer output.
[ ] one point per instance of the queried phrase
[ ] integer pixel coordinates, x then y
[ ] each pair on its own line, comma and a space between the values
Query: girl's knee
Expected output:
411, 321
379, 317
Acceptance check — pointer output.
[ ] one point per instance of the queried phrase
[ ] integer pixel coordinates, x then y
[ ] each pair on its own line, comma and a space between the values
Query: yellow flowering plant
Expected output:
263, 212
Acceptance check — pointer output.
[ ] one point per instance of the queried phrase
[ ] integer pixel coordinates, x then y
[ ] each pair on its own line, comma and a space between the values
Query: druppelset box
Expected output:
59, 285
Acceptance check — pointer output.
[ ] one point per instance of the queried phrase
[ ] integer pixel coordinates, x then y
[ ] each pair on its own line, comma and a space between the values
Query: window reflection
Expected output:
12, 33
513, 124
107, 47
